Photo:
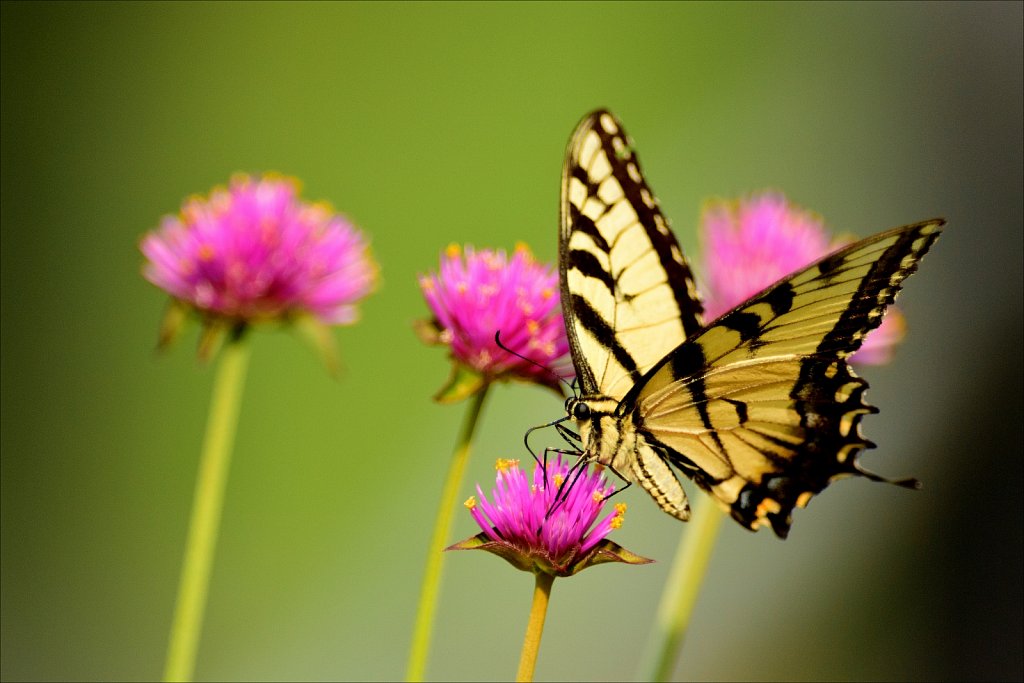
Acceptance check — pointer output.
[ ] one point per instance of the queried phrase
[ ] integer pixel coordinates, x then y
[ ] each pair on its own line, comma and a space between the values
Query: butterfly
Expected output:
760, 407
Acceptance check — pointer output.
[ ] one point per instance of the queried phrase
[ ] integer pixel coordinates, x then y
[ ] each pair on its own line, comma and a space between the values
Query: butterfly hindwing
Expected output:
761, 408
627, 291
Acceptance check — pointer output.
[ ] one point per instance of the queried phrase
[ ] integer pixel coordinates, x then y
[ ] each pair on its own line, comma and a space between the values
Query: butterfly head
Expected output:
577, 409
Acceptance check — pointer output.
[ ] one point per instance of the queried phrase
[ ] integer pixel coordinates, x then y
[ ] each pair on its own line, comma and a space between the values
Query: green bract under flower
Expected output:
523, 524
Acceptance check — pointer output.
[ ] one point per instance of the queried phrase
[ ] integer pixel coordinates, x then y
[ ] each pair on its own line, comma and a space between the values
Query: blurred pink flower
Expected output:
751, 243
523, 525
254, 251
475, 294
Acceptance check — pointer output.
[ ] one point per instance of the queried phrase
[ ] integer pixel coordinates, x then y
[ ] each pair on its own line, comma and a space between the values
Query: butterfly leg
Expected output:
624, 479
571, 477
580, 467
563, 431
560, 451
567, 434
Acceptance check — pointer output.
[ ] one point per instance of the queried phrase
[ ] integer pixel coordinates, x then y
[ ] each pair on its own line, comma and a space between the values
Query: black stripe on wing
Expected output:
878, 289
680, 277
601, 329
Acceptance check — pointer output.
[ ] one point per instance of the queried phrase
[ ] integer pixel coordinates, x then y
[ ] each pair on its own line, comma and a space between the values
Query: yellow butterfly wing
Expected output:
627, 291
761, 408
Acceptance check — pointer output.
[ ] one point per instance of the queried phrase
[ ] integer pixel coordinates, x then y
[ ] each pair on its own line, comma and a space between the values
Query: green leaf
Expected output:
608, 551
604, 552
482, 541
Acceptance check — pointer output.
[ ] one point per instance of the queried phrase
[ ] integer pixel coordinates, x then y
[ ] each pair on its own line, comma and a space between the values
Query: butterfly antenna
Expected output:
552, 373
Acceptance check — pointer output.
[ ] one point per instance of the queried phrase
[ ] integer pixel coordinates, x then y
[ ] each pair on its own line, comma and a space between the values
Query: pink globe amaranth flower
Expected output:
254, 252
523, 525
476, 294
749, 244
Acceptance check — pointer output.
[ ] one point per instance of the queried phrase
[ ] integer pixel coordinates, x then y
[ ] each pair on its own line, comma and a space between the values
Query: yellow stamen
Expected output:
620, 509
470, 503
503, 464
453, 251
616, 522
558, 479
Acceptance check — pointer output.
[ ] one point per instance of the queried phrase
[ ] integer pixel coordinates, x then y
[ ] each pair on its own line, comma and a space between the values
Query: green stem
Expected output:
442, 528
206, 508
535, 627
681, 588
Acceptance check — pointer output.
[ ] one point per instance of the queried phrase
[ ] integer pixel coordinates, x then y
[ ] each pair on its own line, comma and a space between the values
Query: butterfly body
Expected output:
759, 408
617, 440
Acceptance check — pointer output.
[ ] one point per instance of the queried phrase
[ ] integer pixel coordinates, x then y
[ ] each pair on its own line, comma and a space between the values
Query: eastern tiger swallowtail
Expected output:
759, 407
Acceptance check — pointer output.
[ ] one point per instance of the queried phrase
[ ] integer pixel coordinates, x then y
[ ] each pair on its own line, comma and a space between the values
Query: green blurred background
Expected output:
438, 123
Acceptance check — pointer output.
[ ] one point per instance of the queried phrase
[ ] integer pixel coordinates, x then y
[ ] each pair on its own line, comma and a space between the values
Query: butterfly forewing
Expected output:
627, 292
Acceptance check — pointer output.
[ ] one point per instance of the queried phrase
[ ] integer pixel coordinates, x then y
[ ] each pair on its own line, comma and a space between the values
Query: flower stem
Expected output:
535, 627
206, 509
681, 588
442, 528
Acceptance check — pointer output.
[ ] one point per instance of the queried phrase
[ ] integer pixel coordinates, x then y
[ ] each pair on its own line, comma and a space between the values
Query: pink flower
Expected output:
523, 525
254, 252
476, 294
751, 243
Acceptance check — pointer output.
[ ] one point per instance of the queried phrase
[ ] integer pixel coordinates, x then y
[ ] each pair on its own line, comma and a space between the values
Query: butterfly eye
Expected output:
581, 411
